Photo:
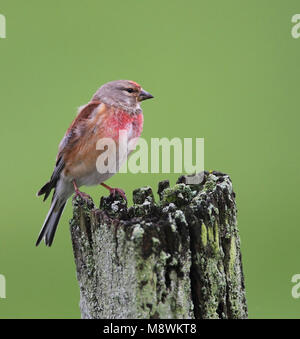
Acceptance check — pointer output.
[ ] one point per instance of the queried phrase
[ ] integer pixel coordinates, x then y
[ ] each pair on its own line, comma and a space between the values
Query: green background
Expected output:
227, 71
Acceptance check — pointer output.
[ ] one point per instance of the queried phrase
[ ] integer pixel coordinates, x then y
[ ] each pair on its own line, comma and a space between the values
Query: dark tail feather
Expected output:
51, 222
46, 189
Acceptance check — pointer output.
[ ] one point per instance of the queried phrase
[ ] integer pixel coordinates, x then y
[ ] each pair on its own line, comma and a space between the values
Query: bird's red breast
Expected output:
95, 121
122, 120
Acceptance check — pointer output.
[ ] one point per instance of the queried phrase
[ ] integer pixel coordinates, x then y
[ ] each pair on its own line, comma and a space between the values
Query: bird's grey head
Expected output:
124, 94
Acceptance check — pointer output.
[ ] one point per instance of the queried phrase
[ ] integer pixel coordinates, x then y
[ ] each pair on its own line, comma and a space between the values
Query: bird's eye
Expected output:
129, 90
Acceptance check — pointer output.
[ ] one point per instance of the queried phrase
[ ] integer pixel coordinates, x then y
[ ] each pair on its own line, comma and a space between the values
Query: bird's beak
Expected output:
145, 95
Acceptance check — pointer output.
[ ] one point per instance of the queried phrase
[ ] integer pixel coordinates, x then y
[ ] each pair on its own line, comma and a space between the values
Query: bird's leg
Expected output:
81, 194
113, 191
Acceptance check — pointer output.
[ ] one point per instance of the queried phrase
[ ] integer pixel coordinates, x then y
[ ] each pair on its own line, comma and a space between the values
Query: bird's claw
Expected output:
82, 195
113, 192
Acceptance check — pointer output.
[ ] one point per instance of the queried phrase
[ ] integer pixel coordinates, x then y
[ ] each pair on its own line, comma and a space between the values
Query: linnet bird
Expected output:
114, 107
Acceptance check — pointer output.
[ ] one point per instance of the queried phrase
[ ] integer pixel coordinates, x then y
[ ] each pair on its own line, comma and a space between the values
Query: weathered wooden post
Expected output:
177, 258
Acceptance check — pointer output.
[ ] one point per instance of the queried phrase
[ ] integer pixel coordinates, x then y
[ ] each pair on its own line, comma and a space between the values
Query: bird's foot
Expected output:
82, 195
113, 191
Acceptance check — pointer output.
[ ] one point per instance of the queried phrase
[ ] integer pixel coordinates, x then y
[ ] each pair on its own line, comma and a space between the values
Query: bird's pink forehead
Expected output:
135, 84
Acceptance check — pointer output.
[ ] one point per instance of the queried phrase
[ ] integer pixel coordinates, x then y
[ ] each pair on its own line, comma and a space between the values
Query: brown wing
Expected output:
69, 140
71, 137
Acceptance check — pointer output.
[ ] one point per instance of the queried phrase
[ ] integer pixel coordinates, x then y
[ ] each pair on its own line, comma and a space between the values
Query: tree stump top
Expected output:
178, 257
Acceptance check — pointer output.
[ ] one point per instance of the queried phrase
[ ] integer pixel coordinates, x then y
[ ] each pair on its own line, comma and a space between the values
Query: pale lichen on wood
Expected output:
177, 258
